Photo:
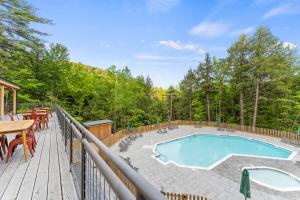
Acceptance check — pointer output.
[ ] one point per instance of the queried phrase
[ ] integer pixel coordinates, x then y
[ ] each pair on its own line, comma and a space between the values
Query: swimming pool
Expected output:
205, 151
274, 178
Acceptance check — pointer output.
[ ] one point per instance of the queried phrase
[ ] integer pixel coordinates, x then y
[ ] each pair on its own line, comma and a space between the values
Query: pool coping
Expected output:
290, 189
293, 152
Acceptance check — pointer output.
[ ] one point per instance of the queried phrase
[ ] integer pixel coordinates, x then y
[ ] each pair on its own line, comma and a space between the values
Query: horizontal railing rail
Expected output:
94, 166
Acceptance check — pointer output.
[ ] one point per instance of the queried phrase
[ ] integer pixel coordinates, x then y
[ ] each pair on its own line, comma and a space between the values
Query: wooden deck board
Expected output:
14, 185
67, 182
45, 176
41, 183
25, 191
10, 170
54, 186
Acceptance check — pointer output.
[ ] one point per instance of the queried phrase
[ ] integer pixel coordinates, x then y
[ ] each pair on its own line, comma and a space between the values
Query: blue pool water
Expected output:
204, 150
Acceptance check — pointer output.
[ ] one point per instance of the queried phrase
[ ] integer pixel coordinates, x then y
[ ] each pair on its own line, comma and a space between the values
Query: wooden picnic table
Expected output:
41, 115
9, 127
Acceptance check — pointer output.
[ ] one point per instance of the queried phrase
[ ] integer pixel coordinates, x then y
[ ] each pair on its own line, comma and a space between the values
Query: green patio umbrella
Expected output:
245, 184
298, 132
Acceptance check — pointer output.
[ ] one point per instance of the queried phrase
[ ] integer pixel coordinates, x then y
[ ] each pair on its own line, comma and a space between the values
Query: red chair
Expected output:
47, 120
4, 143
30, 133
37, 121
15, 142
35, 126
1, 156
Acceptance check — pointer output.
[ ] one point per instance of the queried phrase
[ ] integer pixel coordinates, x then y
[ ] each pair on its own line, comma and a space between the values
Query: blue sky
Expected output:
161, 38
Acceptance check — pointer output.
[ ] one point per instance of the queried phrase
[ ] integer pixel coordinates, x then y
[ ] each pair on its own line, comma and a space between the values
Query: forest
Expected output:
256, 84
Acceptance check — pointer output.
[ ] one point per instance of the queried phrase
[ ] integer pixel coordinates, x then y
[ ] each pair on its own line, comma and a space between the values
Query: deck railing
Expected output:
178, 196
100, 177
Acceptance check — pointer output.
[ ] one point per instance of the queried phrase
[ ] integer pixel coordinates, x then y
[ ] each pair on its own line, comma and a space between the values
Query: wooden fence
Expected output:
176, 196
114, 138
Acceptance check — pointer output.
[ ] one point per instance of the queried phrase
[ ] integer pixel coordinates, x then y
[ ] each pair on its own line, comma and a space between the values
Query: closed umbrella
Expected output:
245, 184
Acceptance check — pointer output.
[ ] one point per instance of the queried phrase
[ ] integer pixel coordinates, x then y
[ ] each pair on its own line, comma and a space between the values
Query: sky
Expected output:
161, 38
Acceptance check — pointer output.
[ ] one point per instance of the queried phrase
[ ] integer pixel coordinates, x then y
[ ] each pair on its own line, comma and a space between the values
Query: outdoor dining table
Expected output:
41, 114
9, 127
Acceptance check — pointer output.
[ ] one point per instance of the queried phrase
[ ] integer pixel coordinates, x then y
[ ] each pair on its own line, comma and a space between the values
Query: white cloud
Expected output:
148, 57
289, 45
280, 10
209, 29
161, 5
247, 30
200, 51
106, 45
178, 45
155, 57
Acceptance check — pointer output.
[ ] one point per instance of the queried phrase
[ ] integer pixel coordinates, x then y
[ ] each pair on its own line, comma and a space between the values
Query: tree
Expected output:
16, 33
221, 71
205, 76
187, 88
55, 68
268, 58
239, 62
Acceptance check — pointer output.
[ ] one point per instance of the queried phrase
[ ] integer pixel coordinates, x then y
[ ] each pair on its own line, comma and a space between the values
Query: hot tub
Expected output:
274, 178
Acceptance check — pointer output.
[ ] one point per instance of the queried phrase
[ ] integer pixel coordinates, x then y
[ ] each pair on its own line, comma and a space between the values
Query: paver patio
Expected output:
220, 183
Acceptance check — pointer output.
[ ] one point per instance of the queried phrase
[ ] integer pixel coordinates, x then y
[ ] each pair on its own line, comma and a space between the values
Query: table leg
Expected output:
24, 144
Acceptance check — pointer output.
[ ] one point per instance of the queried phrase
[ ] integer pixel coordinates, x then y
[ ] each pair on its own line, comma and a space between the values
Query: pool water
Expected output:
205, 150
274, 179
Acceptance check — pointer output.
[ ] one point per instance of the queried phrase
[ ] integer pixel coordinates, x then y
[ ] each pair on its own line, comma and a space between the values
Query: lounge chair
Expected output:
293, 142
230, 129
127, 140
123, 147
132, 137
133, 167
127, 159
162, 131
198, 126
220, 128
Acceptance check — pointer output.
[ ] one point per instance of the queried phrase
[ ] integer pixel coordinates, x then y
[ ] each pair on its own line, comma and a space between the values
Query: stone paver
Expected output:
220, 183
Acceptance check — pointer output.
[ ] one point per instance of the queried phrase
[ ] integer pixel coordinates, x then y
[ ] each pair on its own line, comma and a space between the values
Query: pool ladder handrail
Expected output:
157, 154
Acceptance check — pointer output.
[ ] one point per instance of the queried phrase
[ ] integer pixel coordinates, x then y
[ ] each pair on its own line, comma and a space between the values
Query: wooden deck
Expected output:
44, 176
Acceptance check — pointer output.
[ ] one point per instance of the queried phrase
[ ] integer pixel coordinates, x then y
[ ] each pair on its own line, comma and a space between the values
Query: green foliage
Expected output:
258, 82
16, 33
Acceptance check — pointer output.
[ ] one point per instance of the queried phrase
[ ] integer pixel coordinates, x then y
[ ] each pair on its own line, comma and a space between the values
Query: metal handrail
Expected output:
118, 186
158, 154
145, 190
